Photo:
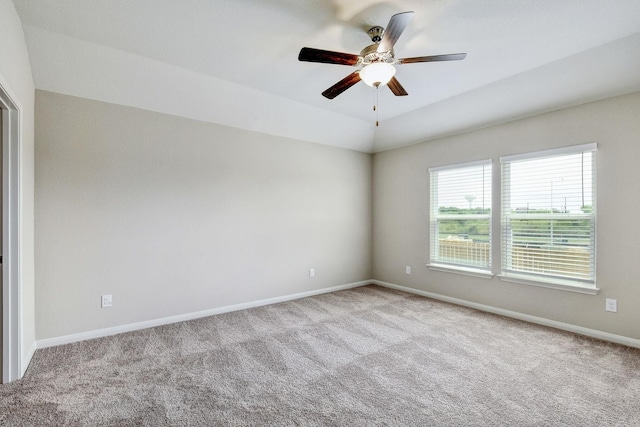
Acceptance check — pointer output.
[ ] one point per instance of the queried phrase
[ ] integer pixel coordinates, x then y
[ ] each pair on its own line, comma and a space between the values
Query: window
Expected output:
461, 217
549, 216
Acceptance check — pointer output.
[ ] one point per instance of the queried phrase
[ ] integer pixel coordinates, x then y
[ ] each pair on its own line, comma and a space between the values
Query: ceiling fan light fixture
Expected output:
377, 73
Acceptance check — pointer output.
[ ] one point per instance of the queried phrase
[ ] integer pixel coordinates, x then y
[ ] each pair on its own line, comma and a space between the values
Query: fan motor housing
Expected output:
370, 55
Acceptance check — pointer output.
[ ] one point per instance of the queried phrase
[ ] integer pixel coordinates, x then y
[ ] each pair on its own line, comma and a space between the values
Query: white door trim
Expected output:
11, 283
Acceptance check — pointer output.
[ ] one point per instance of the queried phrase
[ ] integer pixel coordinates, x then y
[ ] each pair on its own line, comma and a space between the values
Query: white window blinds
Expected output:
549, 215
461, 215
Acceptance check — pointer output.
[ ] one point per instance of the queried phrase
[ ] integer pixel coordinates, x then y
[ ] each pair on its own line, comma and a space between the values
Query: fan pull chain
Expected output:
375, 105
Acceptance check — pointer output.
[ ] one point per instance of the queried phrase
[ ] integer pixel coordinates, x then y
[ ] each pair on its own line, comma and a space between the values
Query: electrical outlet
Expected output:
106, 301
611, 304
407, 269
312, 272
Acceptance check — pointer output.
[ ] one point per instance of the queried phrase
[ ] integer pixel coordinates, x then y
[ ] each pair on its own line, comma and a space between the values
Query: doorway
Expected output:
11, 368
1, 293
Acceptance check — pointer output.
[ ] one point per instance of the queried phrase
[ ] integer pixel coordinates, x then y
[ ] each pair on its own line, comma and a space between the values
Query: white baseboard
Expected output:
606, 336
26, 360
68, 339
82, 336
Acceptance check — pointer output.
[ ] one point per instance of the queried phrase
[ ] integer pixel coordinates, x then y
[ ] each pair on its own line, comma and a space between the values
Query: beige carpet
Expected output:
367, 356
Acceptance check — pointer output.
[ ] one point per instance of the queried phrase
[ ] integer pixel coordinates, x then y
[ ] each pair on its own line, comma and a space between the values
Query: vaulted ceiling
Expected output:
235, 62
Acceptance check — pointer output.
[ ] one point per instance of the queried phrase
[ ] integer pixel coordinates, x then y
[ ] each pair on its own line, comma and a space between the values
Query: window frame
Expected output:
435, 217
556, 281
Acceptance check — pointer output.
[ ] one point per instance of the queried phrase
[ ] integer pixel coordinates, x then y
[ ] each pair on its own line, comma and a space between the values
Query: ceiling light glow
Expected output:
377, 74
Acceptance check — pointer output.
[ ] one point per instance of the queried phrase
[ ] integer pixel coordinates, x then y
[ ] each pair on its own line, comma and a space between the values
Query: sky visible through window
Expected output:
457, 189
562, 183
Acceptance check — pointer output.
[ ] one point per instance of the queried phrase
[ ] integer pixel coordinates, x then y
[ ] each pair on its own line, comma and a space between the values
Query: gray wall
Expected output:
174, 216
401, 214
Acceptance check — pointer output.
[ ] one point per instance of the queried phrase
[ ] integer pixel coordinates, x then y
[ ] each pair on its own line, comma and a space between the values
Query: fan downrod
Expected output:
376, 34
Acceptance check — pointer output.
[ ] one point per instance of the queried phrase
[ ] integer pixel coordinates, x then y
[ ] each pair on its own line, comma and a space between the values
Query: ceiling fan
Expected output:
377, 60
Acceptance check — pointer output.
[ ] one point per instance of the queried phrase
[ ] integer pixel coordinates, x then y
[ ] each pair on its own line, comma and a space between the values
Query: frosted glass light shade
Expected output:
377, 74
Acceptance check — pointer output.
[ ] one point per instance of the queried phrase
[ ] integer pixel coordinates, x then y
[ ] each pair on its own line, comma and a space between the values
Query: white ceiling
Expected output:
234, 62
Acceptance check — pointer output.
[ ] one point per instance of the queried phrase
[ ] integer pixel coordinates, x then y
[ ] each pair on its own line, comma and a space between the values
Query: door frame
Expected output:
11, 280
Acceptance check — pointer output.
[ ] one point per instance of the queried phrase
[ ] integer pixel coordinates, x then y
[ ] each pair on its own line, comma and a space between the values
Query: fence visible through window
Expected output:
554, 260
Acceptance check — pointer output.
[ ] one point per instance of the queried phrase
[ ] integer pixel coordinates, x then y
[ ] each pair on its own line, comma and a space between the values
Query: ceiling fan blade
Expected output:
433, 58
396, 26
396, 87
309, 54
342, 85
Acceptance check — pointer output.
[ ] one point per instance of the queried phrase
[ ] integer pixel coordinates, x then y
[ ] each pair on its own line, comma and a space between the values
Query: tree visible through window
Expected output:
548, 215
461, 215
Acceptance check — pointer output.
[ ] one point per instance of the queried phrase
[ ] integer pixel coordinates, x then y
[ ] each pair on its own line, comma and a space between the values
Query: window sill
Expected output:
467, 271
562, 285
